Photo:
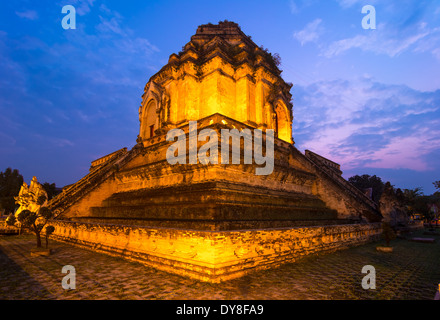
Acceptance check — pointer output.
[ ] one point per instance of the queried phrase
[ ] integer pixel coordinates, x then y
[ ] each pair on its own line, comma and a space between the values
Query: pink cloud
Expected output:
407, 152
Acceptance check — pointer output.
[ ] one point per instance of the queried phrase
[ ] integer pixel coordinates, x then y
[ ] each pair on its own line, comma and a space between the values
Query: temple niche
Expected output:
214, 221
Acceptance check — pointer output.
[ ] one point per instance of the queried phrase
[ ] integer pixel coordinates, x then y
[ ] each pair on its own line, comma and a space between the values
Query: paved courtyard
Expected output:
412, 271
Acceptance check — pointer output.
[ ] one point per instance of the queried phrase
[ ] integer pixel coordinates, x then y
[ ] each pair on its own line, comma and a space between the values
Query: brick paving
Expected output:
411, 272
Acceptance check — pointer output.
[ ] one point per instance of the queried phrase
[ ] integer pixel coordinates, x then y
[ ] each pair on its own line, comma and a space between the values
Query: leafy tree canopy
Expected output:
51, 190
366, 181
10, 184
437, 185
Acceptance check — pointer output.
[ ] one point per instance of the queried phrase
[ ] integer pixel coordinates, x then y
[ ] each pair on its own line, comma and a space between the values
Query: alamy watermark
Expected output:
69, 281
209, 152
369, 281
69, 20
369, 21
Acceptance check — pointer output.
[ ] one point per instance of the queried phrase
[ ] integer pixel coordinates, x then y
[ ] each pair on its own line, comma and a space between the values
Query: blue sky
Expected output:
367, 99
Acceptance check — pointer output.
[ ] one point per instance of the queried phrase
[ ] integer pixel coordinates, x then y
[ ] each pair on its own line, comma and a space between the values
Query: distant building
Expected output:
416, 216
434, 209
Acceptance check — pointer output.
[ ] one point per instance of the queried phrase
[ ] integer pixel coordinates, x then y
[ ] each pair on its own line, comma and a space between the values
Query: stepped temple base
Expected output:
247, 199
213, 222
213, 256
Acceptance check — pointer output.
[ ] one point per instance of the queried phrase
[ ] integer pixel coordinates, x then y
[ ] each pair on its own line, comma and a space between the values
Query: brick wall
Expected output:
213, 256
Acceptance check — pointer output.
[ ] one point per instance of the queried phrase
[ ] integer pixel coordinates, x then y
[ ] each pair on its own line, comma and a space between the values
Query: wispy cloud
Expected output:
58, 89
293, 7
111, 22
387, 40
52, 141
310, 33
368, 124
82, 7
27, 14
409, 26
297, 6
350, 3
7, 140
407, 152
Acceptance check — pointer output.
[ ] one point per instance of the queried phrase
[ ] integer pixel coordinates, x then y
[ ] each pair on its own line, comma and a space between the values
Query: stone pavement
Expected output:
410, 272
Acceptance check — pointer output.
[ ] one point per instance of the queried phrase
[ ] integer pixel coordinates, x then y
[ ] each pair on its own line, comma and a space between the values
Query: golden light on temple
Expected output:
224, 73
214, 221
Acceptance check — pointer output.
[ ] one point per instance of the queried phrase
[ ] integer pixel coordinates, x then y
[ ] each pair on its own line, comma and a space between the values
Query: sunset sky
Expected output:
367, 99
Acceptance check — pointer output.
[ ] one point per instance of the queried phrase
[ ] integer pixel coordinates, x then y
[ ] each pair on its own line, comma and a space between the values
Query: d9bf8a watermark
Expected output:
253, 146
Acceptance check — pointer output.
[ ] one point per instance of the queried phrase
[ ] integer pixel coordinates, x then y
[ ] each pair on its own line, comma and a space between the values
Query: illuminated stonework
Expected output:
217, 221
219, 71
28, 196
213, 256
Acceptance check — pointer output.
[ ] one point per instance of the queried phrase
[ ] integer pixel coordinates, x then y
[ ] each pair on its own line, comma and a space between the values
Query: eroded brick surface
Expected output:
410, 272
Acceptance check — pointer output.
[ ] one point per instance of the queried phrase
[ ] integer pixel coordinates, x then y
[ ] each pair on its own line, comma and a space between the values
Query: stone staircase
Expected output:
332, 171
97, 174
216, 205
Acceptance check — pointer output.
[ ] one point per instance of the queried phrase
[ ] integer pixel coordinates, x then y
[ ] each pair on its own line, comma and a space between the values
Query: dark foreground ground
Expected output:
411, 272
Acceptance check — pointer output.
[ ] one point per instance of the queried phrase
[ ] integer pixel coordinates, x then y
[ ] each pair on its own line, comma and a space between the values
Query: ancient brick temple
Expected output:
214, 221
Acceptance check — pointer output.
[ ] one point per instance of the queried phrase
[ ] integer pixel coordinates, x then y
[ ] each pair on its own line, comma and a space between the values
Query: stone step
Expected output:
215, 192
194, 211
212, 225
211, 205
8, 231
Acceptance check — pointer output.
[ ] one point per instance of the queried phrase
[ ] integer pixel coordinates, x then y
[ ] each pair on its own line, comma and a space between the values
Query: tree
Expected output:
437, 186
21, 216
388, 233
49, 230
273, 59
51, 190
366, 181
10, 184
410, 196
421, 205
34, 221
